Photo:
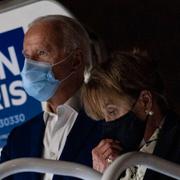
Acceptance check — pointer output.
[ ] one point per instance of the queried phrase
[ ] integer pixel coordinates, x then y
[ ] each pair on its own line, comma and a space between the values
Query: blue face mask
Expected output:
38, 79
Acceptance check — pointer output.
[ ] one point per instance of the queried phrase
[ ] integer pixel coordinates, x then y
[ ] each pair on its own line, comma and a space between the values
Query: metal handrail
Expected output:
131, 159
113, 172
48, 166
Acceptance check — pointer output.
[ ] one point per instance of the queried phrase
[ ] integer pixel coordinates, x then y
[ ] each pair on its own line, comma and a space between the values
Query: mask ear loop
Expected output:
148, 113
132, 107
67, 77
63, 60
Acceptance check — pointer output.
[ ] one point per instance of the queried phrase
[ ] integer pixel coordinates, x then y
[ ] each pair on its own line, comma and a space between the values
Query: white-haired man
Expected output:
57, 53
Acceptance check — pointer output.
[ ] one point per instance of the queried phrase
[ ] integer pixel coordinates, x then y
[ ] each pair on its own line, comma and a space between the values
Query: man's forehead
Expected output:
34, 38
46, 26
43, 32
39, 28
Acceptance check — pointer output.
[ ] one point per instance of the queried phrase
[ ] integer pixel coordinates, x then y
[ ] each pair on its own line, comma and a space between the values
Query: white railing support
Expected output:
113, 172
48, 166
152, 162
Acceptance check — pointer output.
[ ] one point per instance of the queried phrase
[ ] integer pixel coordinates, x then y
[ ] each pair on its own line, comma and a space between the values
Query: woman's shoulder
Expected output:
171, 125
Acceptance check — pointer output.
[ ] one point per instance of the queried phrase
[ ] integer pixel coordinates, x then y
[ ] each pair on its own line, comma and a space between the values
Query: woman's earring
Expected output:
150, 113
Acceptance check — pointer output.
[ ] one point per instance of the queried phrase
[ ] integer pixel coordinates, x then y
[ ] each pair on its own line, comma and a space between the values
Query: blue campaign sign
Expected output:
16, 106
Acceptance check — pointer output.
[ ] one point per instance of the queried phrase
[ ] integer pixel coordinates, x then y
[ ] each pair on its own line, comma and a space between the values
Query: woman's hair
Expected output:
124, 76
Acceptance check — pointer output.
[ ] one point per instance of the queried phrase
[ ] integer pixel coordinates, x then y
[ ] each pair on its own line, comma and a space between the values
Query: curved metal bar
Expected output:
152, 162
48, 166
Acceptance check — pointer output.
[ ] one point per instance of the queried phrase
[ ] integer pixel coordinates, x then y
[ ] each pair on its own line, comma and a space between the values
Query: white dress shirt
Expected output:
57, 129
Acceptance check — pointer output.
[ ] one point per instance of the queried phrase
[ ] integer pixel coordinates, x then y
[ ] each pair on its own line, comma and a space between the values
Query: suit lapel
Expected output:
166, 136
164, 145
36, 137
77, 137
33, 136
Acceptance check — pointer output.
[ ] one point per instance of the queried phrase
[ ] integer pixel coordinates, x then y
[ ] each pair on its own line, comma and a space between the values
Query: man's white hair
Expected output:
73, 34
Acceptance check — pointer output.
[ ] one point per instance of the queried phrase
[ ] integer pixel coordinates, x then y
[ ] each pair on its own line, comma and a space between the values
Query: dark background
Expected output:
154, 25
151, 24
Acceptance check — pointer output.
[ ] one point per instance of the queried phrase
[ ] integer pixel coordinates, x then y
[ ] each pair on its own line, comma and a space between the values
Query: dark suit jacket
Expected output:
168, 145
27, 141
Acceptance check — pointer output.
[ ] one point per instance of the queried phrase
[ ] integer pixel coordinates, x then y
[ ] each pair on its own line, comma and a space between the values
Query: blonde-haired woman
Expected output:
128, 93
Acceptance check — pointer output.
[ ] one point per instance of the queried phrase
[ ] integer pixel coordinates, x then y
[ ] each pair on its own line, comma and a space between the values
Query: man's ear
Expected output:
78, 59
146, 101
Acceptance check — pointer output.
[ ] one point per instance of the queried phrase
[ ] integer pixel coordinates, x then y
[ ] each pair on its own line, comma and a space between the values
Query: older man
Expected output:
57, 54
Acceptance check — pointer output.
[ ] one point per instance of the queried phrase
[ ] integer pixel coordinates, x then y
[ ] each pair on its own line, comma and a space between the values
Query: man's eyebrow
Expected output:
24, 52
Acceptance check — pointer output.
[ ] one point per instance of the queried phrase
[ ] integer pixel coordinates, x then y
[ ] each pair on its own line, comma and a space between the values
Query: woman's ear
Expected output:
146, 102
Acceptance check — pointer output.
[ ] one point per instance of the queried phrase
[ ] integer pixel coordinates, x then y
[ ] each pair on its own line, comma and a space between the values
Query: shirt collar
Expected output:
74, 102
63, 111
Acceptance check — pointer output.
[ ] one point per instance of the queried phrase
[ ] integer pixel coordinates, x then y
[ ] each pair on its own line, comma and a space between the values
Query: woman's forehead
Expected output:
113, 99
108, 98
